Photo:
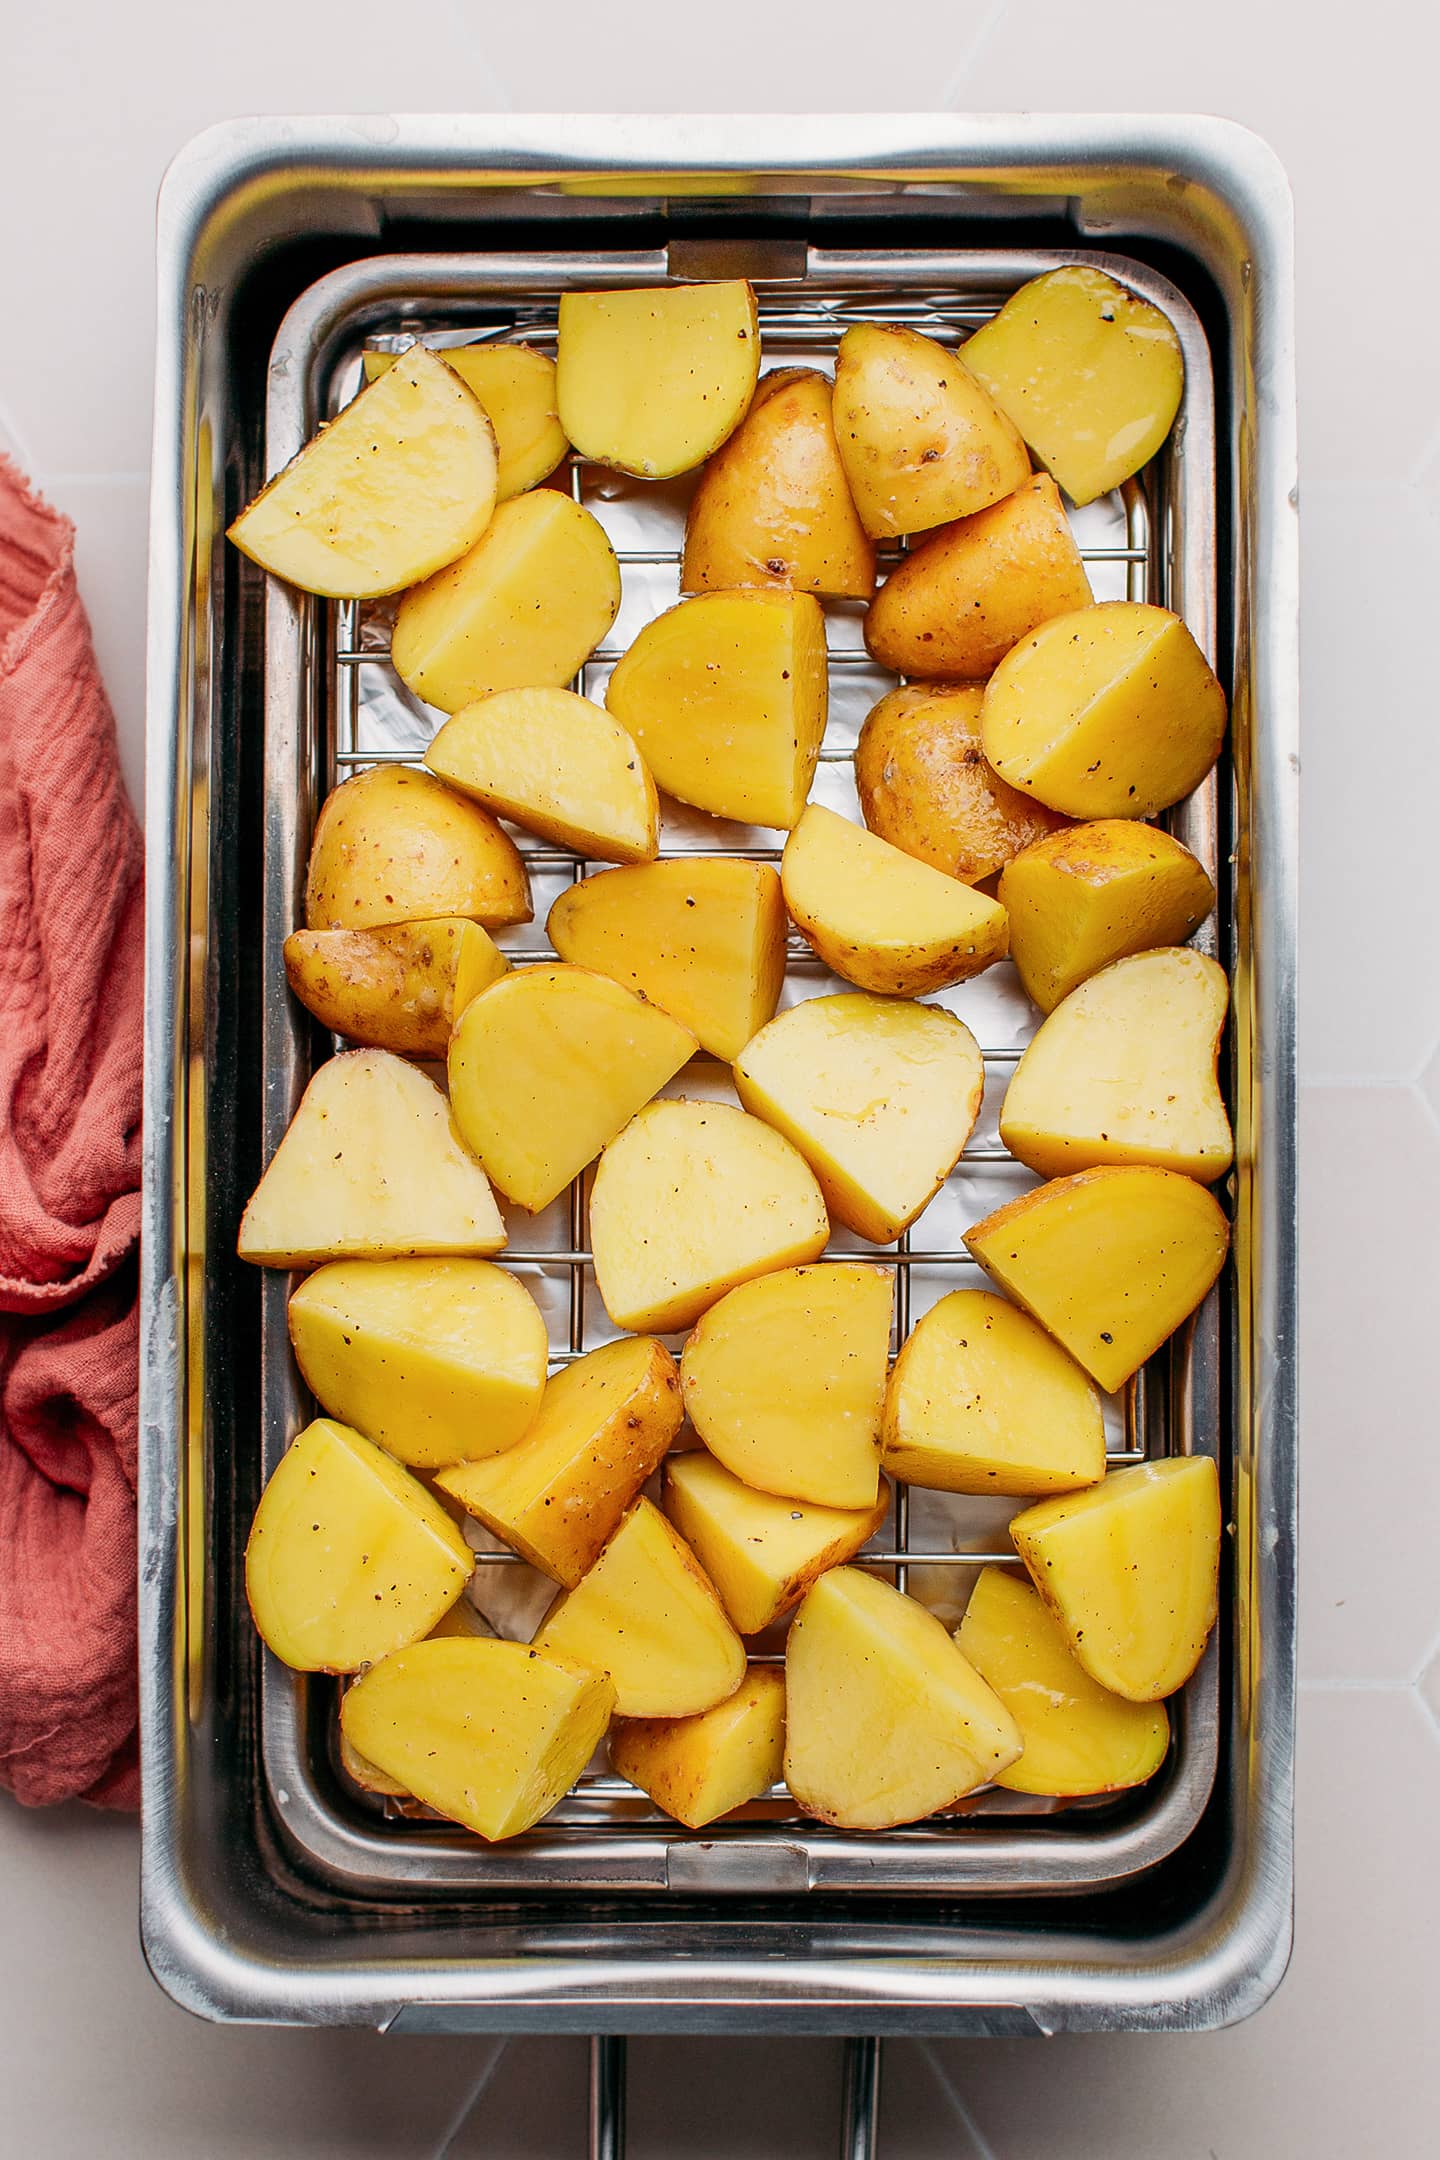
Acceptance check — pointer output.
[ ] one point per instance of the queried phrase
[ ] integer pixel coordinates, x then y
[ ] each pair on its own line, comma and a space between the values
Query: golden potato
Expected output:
462, 1621
516, 386
399, 987
773, 505
920, 438
925, 787
1095, 893
762, 1551
651, 380
557, 765
699, 1768
392, 846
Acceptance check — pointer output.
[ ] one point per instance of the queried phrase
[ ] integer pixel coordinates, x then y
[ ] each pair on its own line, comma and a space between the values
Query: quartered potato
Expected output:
981, 1400
1110, 712
523, 610
438, 1360
349, 1556
761, 1551
703, 937
1096, 893
879, 917
921, 439
1079, 1738
557, 765
370, 1168
1110, 1261
773, 505
463, 1621
602, 1427
1091, 375
784, 1380
516, 386
1131, 1570
547, 1066
393, 846
954, 606
726, 697
700, 1768
652, 380
399, 987
1124, 1071
399, 484
886, 1720
691, 1199
490, 1734
879, 1095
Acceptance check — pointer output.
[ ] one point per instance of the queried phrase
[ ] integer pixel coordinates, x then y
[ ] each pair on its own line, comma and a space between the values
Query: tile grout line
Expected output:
472, 2099
973, 54
983, 2149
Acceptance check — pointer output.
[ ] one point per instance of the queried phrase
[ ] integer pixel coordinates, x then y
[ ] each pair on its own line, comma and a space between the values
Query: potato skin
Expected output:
393, 845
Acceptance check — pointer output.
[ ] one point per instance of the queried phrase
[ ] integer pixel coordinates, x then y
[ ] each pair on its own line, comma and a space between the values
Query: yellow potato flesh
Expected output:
955, 605
1096, 893
925, 787
1123, 1071
647, 1614
399, 484
349, 1556
784, 1380
762, 1552
463, 1620
773, 505
557, 765
371, 1168
920, 438
691, 1199
878, 917
516, 386
1131, 1571
602, 1427
522, 611
878, 1094
652, 380
981, 1400
547, 1066
393, 846
1110, 1261
1110, 712
700, 1768
886, 1721
726, 697
702, 937
438, 1360
396, 988
485, 1732
1079, 1738
1091, 376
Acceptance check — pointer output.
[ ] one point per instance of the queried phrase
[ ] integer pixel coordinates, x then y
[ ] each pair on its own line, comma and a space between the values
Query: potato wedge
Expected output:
603, 1425
953, 607
1131, 1570
1079, 1738
761, 1551
925, 787
1109, 1261
981, 1400
726, 697
784, 1379
879, 1095
691, 1199
371, 1168
487, 1733
393, 846
1095, 893
461, 1621
516, 386
878, 917
653, 379
349, 1556
1124, 1071
886, 1721
557, 765
700, 1768
1110, 712
523, 610
547, 1066
647, 1614
437, 1360
773, 505
1091, 375
399, 987
921, 439
401, 482
703, 937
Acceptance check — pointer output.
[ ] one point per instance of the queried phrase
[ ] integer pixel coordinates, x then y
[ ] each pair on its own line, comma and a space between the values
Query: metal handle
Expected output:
860, 2115
607, 2097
